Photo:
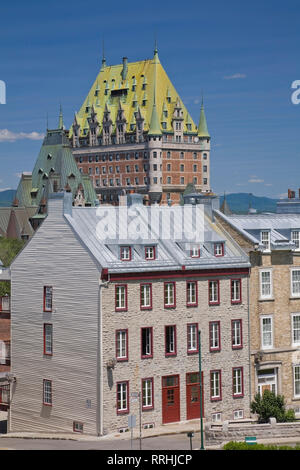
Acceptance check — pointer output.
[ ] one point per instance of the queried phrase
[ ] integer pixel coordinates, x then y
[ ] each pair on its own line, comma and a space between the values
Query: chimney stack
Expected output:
125, 68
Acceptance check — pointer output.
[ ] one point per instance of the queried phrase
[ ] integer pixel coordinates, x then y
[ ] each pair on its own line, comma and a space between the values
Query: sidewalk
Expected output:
165, 429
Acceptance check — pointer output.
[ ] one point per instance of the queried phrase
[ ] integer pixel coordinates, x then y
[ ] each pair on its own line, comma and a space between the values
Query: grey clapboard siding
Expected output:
74, 277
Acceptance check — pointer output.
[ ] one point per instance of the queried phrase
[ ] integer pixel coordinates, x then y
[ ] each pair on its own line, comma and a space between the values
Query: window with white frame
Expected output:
150, 252
297, 380
214, 336
147, 393
237, 382
121, 345
213, 292
48, 295
296, 329
236, 291
121, 297
146, 296
238, 414
236, 334
266, 290
48, 339
125, 253
266, 332
216, 417
295, 237
47, 392
195, 251
192, 338
169, 294
122, 397
295, 282
146, 342
215, 385
219, 249
265, 239
191, 293
170, 340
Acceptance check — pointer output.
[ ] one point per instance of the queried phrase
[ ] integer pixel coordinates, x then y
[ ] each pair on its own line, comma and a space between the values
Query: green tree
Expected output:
9, 248
270, 405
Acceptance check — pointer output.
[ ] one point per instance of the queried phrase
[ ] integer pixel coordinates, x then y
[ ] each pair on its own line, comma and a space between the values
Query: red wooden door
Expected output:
193, 396
170, 399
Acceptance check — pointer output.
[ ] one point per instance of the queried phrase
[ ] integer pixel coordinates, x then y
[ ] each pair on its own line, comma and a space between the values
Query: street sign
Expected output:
131, 421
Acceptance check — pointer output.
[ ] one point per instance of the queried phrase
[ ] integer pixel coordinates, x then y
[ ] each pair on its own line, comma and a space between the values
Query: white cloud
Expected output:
268, 184
235, 76
9, 136
255, 180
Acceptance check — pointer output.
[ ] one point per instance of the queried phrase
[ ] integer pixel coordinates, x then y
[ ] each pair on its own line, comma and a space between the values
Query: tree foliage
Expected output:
270, 405
9, 248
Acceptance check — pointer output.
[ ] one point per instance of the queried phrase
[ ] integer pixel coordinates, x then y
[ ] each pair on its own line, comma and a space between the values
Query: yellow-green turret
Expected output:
202, 127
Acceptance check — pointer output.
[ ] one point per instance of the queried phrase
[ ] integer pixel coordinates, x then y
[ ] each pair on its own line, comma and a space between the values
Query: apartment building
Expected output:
273, 244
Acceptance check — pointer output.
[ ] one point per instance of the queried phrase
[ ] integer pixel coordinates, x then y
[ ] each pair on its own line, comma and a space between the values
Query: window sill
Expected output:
270, 299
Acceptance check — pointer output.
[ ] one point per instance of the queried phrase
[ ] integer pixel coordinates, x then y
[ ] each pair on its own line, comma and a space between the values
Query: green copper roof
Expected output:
202, 128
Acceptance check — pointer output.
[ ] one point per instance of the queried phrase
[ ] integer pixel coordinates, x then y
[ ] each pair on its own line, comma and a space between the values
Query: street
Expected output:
171, 442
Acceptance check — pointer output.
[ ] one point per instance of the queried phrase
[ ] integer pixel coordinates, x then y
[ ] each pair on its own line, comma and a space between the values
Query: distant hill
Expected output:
239, 203
7, 197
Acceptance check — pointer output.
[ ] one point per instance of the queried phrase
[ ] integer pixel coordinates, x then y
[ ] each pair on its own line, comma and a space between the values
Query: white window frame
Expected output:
295, 382
293, 294
125, 253
296, 238
263, 345
192, 337
47, 392
266, 242
263, 295
297, 342
121, 349
147, 393
191, 287
122, 397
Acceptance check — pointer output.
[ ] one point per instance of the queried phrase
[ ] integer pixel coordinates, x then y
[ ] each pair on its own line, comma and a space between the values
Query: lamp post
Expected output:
201, 393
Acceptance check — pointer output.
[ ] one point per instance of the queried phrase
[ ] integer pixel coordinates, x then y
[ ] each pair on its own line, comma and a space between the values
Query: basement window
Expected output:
77, 427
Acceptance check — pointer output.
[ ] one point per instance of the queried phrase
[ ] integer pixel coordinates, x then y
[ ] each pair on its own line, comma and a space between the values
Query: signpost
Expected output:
201, 393
134, 397
131, 425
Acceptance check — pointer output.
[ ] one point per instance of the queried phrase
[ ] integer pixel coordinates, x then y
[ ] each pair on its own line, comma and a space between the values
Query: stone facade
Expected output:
135, 368
273, 367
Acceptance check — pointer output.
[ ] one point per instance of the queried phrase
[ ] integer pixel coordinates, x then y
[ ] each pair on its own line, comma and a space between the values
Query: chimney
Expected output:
125, 68
291, 194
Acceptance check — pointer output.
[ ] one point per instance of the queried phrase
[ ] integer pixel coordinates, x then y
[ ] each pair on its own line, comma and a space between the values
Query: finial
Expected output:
61, 120
103, 55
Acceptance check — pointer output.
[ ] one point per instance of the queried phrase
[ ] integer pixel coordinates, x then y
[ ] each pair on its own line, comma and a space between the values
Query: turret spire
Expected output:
61, 119
154, 128
202, 127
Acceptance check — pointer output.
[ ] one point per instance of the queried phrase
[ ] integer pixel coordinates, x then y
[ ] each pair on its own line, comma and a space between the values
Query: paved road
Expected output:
173, 442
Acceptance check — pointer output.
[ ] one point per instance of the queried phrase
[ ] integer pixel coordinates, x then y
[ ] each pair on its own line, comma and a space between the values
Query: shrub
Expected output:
232, 445
271, 406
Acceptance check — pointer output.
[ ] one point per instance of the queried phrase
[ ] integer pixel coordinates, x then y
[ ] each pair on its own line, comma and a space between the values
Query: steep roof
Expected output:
55, 162
133, 84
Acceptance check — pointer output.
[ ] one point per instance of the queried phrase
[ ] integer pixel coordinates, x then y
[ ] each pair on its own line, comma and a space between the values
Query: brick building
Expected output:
113, 307
272, 242
133, 133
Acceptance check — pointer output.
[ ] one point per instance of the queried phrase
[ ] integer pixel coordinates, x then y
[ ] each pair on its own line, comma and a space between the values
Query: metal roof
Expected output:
251, 225
101, 231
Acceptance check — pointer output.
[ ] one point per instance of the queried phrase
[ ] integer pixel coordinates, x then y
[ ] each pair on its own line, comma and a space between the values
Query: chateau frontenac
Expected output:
134, 134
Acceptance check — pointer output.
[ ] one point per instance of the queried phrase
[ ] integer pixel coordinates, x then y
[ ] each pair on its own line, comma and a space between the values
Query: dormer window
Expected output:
219, 249
295, 238
265, 239
125, 253
150, 252
195, 252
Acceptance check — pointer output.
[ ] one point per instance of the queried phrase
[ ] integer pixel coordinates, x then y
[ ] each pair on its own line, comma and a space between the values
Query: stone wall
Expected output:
229, 431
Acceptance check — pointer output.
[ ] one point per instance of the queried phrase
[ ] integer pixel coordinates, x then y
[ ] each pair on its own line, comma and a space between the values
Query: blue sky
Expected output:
243, 55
